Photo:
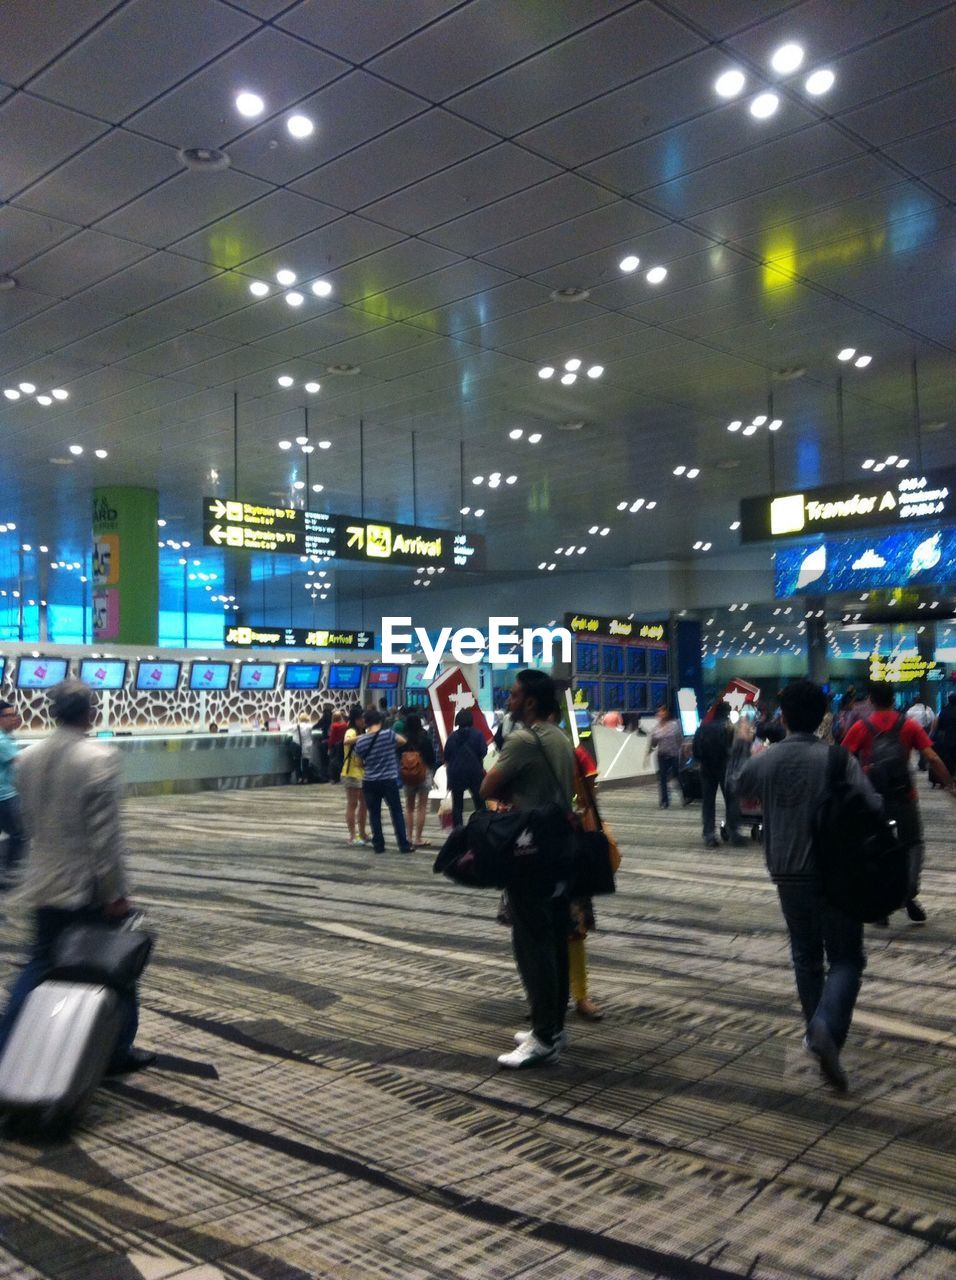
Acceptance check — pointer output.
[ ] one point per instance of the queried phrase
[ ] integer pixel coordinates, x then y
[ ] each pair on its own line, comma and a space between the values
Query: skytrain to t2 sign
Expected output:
290, 531
889, 498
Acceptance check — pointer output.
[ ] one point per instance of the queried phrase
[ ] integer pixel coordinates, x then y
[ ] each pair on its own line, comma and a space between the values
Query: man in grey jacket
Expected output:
789, 778
75, 874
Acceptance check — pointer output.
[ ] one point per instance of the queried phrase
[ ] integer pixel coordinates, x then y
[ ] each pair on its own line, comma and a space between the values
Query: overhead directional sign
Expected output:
245, 636
289, 531
890, 498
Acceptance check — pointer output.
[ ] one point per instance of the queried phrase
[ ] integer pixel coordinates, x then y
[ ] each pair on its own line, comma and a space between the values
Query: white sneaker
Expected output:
561, 1040
532, 1053
357, 843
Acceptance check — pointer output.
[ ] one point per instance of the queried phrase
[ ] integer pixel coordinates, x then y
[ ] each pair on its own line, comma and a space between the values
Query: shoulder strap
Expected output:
562, 800
837, 759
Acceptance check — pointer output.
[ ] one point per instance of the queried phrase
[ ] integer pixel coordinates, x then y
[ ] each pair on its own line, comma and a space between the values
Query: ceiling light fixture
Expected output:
285, 444
295, 299
735, 425
325, 444
693, 473
313, 387
284, 380
818, 82
862, 361
730, 84
259, 289
317, 488
595, 370
46, 401
534, 438
511, 480
846, 354
59, 394
285, 277
249, 104
300, 126
630, 263
321, 288
572, 366
76, 450
546, 372
27, 388
787, 59
515, 433
11, 393
656, 275
100, 453
568, 379
735, 525
764, 106
679, 471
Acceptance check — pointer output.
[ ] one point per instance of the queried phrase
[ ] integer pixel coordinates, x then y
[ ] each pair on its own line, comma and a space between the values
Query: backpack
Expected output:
889, 769
863, 866
412, 768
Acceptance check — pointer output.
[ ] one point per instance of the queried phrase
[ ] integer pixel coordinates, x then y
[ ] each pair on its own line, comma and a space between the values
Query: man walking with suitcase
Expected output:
75, 874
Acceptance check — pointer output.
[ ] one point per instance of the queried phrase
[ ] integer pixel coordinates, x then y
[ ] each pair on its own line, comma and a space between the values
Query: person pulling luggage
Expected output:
75, 870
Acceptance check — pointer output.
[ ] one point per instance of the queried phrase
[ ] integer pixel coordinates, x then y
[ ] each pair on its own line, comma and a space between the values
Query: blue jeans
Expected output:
666, 768
375, 792
49, 923
818, 929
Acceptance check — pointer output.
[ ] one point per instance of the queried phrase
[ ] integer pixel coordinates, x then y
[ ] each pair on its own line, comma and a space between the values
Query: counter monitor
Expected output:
345, 676
40, 673
303, 675
209, 675
381, 676
258, 675
416, 678
103, 673
157, 675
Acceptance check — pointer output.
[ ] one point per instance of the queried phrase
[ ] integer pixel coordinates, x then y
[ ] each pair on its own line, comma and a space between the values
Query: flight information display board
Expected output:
258, 675
244, 636
290, 531
345, 676
303, 675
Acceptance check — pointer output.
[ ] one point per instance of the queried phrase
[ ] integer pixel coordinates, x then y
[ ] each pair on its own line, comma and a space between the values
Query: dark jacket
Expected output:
464, 752
712, 745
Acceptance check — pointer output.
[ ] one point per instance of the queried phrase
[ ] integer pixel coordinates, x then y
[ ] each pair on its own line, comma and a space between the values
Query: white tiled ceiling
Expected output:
470, 157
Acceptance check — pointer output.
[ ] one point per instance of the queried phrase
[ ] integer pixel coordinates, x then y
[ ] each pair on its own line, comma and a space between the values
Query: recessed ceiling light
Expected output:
751, 430
11, 393
300, 126
891, 460
880, 466
637, 504
572, 366
317, 488
595, 370
764, 105
630, 263
593, 529
44, 400
622, 506
249, 104
903, 462
698, 545
760, 419
161, 524
534, 438
846, 354
735, 425
76, 450
605, 531
479, 512
787, 59
735, 525
656, 275
285, 444
285, 277
730, 84
775, 424
652, 505
571, 294
284, 380
679, 471
693, 473
302, 439
298, 484
868, 463
321, 288
516, 433
313, 387
568, 379
59, 394
259, 289
511, 480
477, 479
295, 299
464, 511
308, 448
818, 82
325, 444
27, 388
546, 372
862, 361
101, 453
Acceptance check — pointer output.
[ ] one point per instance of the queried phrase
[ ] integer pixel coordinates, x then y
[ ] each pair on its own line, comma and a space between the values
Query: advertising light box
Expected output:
209, 675
258, 675
103, 673
907, 558
40, 673
157, 675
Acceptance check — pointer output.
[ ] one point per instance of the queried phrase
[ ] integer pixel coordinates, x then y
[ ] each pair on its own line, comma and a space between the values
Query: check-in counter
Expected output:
163, 764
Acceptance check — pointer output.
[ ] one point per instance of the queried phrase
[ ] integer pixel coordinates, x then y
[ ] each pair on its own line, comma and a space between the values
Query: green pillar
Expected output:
125, 565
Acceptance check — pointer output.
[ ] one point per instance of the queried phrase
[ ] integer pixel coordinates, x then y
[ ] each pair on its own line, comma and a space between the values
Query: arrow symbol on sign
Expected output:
217, 534
218, 509
357, 536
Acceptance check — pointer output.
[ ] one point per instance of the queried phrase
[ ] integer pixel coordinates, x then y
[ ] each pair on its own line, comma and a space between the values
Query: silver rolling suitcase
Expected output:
57, 1053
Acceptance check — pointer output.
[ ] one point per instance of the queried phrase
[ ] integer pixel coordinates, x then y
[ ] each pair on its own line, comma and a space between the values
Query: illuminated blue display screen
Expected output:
916, 557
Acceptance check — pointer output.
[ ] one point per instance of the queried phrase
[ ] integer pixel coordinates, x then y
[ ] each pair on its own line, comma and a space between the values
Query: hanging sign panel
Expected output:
888, 498
618, 628
288, 531
243, 636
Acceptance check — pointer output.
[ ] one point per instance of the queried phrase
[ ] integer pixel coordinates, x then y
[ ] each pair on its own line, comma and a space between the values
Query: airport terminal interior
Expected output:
358, 354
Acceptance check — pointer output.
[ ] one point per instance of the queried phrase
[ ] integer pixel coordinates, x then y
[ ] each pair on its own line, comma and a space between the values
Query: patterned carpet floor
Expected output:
327, 1102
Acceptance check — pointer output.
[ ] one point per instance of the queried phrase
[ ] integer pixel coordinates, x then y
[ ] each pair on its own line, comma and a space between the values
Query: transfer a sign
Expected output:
884, 499
902, 668
243, 636
617, 628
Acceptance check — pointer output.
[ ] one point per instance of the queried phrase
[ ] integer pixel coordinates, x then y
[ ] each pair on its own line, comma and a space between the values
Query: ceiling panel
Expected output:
23, 235
35, 137
28, 45
482, 308
621, 47
677, 249
321, 334
928, 151
116, 168
363, 27
202, 113
396, 265
148, 282
248, 233
906, 112
17, 305
181, 206
347, 113
177, 355
609, 225
727, 16
431, 141
78, 263
72, 319
322, 251
121, 64
467, 46
460, 280
503, 332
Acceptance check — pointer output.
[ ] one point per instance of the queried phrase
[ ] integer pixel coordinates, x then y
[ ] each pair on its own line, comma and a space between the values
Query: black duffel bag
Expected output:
102, 955
519, 846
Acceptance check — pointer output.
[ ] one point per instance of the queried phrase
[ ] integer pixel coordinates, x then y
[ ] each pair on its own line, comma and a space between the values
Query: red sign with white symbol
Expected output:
450, 693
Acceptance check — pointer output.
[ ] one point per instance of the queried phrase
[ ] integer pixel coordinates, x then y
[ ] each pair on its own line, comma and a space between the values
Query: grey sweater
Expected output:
788, 779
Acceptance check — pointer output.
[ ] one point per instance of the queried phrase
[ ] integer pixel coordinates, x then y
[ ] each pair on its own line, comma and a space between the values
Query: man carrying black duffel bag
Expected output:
535, 768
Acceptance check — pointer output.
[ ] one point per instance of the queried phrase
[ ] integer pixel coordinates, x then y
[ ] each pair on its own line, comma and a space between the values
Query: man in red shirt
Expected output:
903, 811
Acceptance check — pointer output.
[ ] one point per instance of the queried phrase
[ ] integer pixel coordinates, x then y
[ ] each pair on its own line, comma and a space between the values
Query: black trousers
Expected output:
458, 803
539, 936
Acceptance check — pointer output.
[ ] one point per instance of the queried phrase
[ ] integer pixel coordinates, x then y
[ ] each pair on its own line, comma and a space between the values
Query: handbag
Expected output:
102, 955
500, 848
592, 864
